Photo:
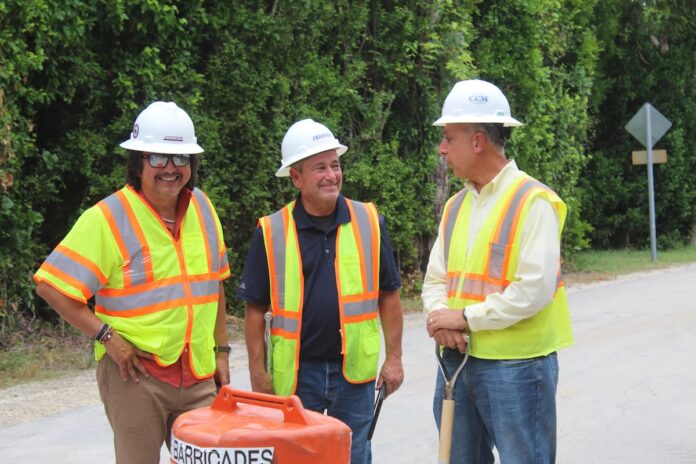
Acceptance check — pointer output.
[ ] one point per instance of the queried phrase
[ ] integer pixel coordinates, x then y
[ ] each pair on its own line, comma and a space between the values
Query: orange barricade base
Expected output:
243, 427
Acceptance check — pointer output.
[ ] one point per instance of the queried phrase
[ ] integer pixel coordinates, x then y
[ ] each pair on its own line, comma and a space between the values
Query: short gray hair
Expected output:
496, 133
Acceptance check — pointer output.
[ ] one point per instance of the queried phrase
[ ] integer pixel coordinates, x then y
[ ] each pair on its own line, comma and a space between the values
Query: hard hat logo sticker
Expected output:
321, 136
173, 138
136, 131
478, 99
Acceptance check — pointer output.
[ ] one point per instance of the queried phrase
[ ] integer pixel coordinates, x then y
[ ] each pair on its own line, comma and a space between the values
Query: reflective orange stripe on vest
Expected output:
286, 322
127, 233
79, 272
205, 216
364, 304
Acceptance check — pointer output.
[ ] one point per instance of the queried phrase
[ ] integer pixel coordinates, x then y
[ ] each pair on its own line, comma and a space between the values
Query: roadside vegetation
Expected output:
56, 350
592, 266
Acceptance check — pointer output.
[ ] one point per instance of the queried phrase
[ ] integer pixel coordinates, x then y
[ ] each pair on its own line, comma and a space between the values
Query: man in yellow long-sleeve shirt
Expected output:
494, 274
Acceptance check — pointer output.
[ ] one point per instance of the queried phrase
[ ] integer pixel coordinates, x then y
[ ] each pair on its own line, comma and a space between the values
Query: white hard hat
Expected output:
304, 139
163, 127
476, 101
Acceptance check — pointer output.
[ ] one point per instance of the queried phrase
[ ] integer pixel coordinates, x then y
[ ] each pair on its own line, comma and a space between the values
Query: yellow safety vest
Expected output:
357, 282
157, 292
491, 266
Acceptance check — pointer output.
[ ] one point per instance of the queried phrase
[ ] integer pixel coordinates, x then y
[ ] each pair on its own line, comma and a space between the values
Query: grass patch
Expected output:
590, 266
44, 352
411, 303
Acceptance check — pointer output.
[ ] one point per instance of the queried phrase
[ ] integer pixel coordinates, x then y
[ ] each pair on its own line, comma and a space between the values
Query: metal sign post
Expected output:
648, 125
651, 187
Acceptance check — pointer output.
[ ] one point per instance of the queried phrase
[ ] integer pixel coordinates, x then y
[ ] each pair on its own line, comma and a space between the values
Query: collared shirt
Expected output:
320, 336
536, 270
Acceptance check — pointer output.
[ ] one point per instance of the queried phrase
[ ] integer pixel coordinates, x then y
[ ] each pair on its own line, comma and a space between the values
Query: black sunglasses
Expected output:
157, 160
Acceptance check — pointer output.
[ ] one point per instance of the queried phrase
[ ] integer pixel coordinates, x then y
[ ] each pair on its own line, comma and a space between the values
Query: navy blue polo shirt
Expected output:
320, 336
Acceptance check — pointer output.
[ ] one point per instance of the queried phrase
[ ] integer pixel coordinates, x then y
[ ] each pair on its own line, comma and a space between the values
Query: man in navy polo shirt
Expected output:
323, 265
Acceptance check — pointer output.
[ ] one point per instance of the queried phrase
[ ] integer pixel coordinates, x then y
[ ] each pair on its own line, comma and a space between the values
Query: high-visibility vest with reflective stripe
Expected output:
157, 292
357, 282
490, 267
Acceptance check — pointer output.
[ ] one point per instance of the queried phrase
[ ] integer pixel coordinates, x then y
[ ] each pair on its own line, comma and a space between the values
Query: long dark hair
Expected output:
134, 169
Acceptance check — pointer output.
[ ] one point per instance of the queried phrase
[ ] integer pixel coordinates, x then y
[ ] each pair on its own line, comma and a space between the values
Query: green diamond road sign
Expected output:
638, 125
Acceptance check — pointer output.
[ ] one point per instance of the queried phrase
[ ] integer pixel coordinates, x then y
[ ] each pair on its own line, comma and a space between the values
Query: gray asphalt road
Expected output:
625, 394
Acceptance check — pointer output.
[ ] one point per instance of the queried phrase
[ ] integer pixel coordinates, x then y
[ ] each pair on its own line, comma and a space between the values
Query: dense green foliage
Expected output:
75, 73
648, 56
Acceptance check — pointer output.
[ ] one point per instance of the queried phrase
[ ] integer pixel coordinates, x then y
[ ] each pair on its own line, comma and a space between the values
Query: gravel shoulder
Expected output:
30, 401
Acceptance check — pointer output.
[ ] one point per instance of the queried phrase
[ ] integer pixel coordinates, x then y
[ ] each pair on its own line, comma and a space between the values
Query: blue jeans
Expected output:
507, 404
322, 388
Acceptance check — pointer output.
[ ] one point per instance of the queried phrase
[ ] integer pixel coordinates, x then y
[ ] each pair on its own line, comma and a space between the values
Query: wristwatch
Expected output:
222, 348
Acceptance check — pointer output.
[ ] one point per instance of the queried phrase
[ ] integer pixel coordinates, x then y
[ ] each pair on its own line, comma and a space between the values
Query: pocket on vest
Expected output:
351, 275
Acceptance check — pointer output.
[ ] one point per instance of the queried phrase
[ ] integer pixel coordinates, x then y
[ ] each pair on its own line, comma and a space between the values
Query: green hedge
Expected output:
75, 73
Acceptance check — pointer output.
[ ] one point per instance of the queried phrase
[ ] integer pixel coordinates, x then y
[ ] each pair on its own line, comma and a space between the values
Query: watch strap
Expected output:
222, 348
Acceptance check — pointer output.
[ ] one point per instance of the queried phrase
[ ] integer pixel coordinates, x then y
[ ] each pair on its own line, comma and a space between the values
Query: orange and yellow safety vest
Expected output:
357, 282
157, 292
491, 264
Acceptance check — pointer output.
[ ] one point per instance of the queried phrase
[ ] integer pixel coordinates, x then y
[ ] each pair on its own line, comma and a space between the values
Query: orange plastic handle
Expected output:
293, 412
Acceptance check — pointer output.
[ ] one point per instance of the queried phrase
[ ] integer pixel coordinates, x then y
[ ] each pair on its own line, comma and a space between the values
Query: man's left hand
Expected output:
222, 369
392, 374
445, 319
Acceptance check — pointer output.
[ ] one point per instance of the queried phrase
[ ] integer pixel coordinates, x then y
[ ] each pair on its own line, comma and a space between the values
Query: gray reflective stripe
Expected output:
506, 228
208, 287
452, 220
287, 324
501, 248
452, 284
74, 269
495, 260
481, 288
357, 308
160, 294
364, 226
134, 259
473, 287
278, 244
224, 262
210, 229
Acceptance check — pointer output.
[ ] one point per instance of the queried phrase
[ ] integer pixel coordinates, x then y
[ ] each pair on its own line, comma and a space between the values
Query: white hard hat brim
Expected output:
284, 170
506, 121
173, 148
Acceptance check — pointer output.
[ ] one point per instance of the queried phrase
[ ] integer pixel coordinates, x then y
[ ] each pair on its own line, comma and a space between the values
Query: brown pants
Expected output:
142, 414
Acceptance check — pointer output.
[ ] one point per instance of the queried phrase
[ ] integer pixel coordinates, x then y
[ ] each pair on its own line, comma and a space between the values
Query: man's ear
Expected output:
295, 177
479, 141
